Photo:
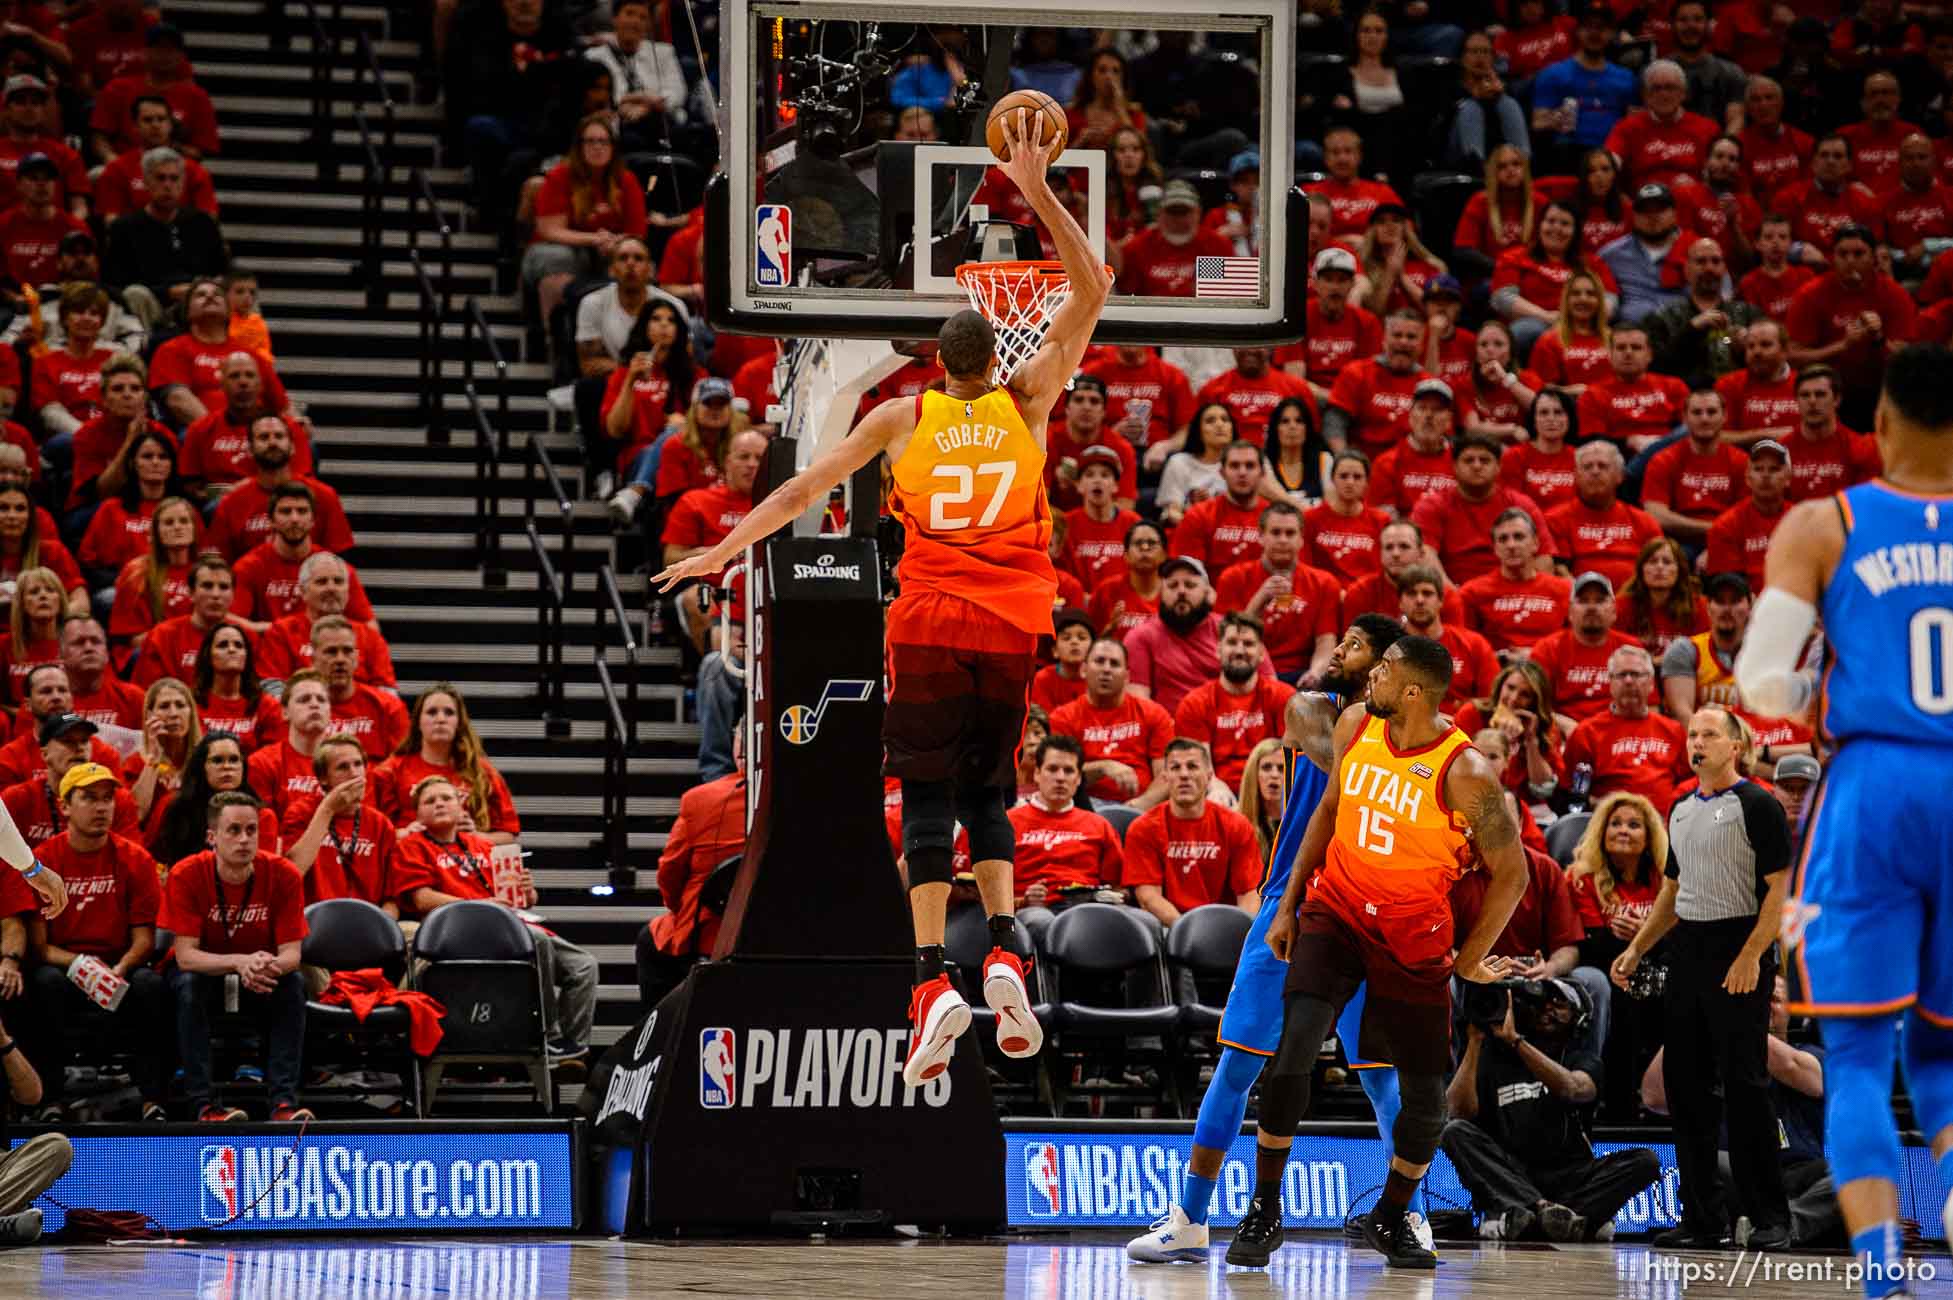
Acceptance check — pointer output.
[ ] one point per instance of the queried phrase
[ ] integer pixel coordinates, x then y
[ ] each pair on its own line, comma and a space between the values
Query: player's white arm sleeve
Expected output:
13, 849
1767, 671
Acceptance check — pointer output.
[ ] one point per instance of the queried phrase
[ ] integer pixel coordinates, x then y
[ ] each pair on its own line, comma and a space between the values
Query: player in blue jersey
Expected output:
1251, 1023
1869, 924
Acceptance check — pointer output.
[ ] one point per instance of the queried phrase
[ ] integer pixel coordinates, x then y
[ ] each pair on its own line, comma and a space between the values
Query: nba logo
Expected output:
1044, 1188
718, 1087
218, 1186
772, 246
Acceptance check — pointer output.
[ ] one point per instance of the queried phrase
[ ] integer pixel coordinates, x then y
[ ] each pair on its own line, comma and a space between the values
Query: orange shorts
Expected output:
958, 680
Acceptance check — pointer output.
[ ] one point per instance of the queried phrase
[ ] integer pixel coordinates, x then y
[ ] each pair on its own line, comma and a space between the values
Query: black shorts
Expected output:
958, 681
1407, 971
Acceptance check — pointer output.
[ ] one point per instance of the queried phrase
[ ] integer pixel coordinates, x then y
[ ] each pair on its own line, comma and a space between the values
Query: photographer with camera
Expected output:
1519, 1106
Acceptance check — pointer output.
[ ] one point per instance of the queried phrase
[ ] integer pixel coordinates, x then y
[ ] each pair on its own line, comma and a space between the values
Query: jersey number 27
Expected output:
964, 492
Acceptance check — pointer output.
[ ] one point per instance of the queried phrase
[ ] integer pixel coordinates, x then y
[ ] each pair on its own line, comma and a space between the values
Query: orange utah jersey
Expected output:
969, 490
1396, 843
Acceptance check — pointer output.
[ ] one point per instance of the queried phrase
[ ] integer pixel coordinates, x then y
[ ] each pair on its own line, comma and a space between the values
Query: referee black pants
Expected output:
1719, 1043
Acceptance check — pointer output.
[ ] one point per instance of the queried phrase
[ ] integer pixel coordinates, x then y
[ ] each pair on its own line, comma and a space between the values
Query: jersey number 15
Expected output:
1373, 833
964, 492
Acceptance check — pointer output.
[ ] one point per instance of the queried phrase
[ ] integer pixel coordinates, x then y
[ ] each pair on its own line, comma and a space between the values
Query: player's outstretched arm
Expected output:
800, 493
1472, 785
1804, 551
1039, 381
15, 853
1309, 855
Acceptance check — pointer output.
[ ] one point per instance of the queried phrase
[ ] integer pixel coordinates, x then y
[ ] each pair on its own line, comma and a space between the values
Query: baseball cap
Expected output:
1654, 194
1445, 284
1433, 388
1072, 616
1798, 767
63, 723
1731, 581
1083, 380
82, 774
1179, 562
712, 389
1100, 454
23, 81
1248, 160
1179, 194
1383, 210
38, 162
1769, 444
1336, 259
1590, 577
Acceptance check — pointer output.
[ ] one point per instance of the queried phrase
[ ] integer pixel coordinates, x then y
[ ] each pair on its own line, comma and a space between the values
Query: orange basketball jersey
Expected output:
1396, 843
970, 493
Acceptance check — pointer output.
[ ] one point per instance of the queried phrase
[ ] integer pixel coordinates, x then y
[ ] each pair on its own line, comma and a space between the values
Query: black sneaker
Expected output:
1687, 1238
1561, 1224
1515, 1223
1396, 1244
1774, 1238
1257, 1236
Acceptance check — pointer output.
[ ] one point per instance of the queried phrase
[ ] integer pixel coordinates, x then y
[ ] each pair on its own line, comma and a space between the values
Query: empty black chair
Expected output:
1439, 199
1106, 977
480, 963
349, 934
1206, 944
1563, 836
1121, 817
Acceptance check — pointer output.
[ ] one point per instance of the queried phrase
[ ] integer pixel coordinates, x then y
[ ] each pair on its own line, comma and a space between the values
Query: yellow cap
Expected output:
85, 774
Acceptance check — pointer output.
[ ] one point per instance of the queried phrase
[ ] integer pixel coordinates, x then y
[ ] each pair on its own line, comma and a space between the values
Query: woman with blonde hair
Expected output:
1132, 191
1573, 352
1615, 876
33, 626
1501, 215
441, 741
170, 730
23, 546
1264, 786
1394, 263
156, 585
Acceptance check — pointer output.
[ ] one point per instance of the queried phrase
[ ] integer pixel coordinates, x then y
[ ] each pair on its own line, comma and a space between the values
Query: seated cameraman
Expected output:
1519, 1106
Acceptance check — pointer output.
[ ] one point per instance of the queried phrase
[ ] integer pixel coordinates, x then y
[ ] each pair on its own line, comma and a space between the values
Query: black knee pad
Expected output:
1420, 1122
928, 831
981, 810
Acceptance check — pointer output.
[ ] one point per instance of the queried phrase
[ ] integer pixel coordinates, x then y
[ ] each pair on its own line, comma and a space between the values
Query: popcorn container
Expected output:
507, 862
92, 976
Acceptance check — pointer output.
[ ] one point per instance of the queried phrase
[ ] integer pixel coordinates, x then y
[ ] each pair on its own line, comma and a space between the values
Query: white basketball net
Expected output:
1018, 299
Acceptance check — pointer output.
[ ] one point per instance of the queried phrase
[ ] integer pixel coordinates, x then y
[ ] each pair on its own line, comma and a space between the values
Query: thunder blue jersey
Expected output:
1888, 620
1306, 783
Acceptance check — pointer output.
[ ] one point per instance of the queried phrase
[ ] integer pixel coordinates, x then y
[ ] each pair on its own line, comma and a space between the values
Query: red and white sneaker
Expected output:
1018, 1032
938, 1015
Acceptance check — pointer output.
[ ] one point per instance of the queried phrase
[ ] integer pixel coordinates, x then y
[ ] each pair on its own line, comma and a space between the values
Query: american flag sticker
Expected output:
1227, 277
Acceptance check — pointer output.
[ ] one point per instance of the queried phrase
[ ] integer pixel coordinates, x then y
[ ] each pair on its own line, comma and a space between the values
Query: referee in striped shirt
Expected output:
1728, 864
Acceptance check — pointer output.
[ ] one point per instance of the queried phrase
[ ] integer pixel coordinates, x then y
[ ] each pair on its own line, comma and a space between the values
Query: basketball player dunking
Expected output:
1408, 800
1867, 924
977, 590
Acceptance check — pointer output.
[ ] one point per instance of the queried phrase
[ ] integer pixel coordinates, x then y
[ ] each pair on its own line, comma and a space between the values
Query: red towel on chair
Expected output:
362, 990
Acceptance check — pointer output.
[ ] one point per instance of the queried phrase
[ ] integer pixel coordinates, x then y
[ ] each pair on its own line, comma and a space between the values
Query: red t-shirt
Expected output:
1820, 311
267, 587
74, 382
1402, 476
1914, 216
1774, 158
1578, 671
199, 366
1644, 755
705, 517
1290, 624
621, 213
1526, 50
286, 647
217, 451
1475, 223
1544, 920
1695, 484
1351, 202
1378, 400
1634, 899
1117, 609
1607, 540
1064, 850
1770, 292
358, 859
254, 725
1702, 213
1134, 731
170, 650
1831, 464
1212, 858
1060, 446
1345, 546
1875, 152
1460, 531
376, 718
1158, 382
1219, 533
39, 816
32, 244
1097, 551
1648, 407
393, 782
1750, 403
1562, 365
1661, 152
281, 776
104, 51
256, 916
1329, 346
1473, 665
1252, 401
109, 890
1050, 690
1156, 268
196, 119
113, 703
117, 534
243, 519
652, 403
463, 869
1817, 214
1546, 477
1232, 725
1515, 615
1377, 594
1739, 538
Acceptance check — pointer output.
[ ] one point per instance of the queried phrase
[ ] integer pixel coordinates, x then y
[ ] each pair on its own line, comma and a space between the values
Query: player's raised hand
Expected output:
1032, 147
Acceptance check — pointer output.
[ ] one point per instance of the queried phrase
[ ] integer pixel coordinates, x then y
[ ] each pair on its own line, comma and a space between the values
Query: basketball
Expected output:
1036, 100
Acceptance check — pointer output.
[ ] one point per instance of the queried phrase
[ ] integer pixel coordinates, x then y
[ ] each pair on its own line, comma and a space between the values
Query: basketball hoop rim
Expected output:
1027, 282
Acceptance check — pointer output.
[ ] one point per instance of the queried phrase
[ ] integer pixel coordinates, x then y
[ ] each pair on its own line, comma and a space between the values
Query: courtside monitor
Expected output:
839, 215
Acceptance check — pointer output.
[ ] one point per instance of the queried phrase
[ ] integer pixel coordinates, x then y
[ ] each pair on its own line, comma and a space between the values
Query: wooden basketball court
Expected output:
1084, 1266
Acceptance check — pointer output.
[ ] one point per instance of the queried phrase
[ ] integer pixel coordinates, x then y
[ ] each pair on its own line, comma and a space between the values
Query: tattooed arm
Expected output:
1312, 727
1473, 786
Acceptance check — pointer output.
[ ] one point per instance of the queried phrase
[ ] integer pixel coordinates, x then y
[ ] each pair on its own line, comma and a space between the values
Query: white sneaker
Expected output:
1605, 1232
938, 1016
623, 506
1018, 1033
1421, 1229
1175, 1238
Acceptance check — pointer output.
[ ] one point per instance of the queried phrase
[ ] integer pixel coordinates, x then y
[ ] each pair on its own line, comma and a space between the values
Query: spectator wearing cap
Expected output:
1661, 142
1450, 352
1295, 606
1420, 606
1456, 517
1158, 262
1739, 537
325, 585
1352, 199
1174, 652
1225, 529
1252, 389
1420, 463
25, 120
1396, 264
1823, 206
1063, 679
1234, 218
1597, 530
1240, 706
243, 518
1575, 658
1628, 745
701, 518
238, 909
1339, 332
375, 718
32, 229
1095, 532
166, 72
1701, 337
1796, 778
120, 186
1084, 427
667, 454
1851, 318
1118, 605
1519, 604
1694, 479
33, 797
1578, 101
1633, 408
1826, 457
1370, 403
113, 898
156, 251
1639, 260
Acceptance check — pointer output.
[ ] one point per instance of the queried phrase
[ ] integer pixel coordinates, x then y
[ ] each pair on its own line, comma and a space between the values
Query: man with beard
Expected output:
1233, 713
1225, 530
1251, 1024
1294, 603
1639, 257
1421, 593
243, 517
1174, 652
324, 586
267, 576
217, 448
1715, 85
170, 648
1760, 400
1575, 658
1700, 338
1159, 260
375, 718
1124, 734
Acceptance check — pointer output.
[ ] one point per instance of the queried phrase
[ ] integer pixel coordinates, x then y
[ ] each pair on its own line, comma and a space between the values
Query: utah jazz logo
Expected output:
800, 723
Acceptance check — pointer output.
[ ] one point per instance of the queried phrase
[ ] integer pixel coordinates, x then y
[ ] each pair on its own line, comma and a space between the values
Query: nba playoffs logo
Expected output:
800, 723
772, 246
218, 1191
1044, 1189
718, 1087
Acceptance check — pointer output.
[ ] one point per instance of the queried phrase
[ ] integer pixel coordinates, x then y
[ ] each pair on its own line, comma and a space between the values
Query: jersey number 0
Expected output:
1931, 638
941, 521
